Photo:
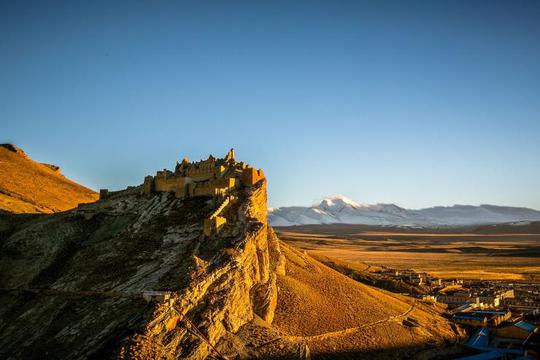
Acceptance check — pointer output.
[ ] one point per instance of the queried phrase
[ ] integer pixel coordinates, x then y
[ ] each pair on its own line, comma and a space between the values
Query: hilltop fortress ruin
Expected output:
216, 178
210, 177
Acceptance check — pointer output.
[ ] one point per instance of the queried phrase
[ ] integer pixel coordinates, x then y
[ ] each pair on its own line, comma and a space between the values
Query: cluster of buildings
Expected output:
421, 279
510, 339
517, 296
503, 317
499, 331
482, 298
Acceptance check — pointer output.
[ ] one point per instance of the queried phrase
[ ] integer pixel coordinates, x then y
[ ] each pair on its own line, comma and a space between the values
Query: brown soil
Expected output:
27, 186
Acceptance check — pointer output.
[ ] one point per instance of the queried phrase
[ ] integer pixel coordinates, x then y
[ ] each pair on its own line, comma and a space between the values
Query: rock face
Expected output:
73, 283
235, 285
27, 186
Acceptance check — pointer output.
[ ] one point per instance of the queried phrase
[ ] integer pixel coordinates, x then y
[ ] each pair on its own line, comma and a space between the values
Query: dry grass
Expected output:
27, 186
470, 254
330, 299
334, 314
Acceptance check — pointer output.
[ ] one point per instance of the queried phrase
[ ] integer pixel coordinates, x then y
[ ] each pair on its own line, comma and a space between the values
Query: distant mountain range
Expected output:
339, 209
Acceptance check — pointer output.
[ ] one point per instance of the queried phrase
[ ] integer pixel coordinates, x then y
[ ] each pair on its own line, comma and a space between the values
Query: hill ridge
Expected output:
28, 186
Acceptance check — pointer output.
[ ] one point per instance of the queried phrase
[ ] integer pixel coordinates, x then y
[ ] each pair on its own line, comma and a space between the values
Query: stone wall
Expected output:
213, 187
215, 222
170, 184
251, 176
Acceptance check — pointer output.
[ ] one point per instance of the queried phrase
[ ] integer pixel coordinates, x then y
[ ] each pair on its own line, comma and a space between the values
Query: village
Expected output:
502, 317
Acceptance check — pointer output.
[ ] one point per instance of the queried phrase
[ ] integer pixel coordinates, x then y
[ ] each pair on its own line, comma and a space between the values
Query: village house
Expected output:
482, 318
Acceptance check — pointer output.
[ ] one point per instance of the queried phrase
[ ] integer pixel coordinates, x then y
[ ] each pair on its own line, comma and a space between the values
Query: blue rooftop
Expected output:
480, 339
525, 326
498, 312
463, 307
469, 317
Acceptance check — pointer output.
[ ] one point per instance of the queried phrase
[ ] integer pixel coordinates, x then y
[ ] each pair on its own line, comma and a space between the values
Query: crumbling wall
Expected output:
214, 222
169, 184
251, 176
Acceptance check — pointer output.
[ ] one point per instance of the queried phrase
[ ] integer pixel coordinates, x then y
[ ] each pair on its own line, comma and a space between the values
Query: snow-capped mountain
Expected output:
339, 209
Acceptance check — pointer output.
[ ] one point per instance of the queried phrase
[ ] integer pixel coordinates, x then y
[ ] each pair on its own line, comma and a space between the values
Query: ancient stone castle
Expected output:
216, 178
210, 177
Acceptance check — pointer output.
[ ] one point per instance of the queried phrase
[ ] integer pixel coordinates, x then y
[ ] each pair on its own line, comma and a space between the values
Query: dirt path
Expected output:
352, 330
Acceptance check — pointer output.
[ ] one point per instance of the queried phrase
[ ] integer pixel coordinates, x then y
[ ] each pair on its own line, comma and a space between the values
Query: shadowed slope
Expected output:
27, 186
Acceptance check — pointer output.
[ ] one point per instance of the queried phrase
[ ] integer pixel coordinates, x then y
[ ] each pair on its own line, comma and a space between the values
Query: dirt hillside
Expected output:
337, 317
27, 186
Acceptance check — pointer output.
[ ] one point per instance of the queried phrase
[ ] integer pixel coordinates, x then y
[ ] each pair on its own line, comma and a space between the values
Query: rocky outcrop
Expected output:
54, 168
95, 262
14, 149
236, 285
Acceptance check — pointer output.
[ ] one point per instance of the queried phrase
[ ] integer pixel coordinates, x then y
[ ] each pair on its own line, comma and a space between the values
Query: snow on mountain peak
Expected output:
337, 200
340, 209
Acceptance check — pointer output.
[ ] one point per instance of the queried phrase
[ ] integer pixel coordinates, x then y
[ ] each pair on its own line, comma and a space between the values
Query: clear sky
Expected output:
415, 103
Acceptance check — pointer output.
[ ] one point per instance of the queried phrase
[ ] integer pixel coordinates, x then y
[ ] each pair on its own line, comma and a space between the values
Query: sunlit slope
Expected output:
335, 315
27, 186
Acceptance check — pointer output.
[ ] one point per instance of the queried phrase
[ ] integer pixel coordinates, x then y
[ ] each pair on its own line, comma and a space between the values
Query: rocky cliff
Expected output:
73, 284
227, 289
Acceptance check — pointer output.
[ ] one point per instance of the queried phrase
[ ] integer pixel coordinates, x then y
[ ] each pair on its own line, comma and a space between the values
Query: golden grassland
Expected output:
334, 314
27, 186
489, 253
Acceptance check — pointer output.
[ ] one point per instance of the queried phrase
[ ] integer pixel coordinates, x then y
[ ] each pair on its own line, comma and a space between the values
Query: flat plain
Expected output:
493, 252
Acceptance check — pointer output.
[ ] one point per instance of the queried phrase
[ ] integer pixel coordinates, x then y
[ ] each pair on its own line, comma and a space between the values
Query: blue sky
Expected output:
416, 103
